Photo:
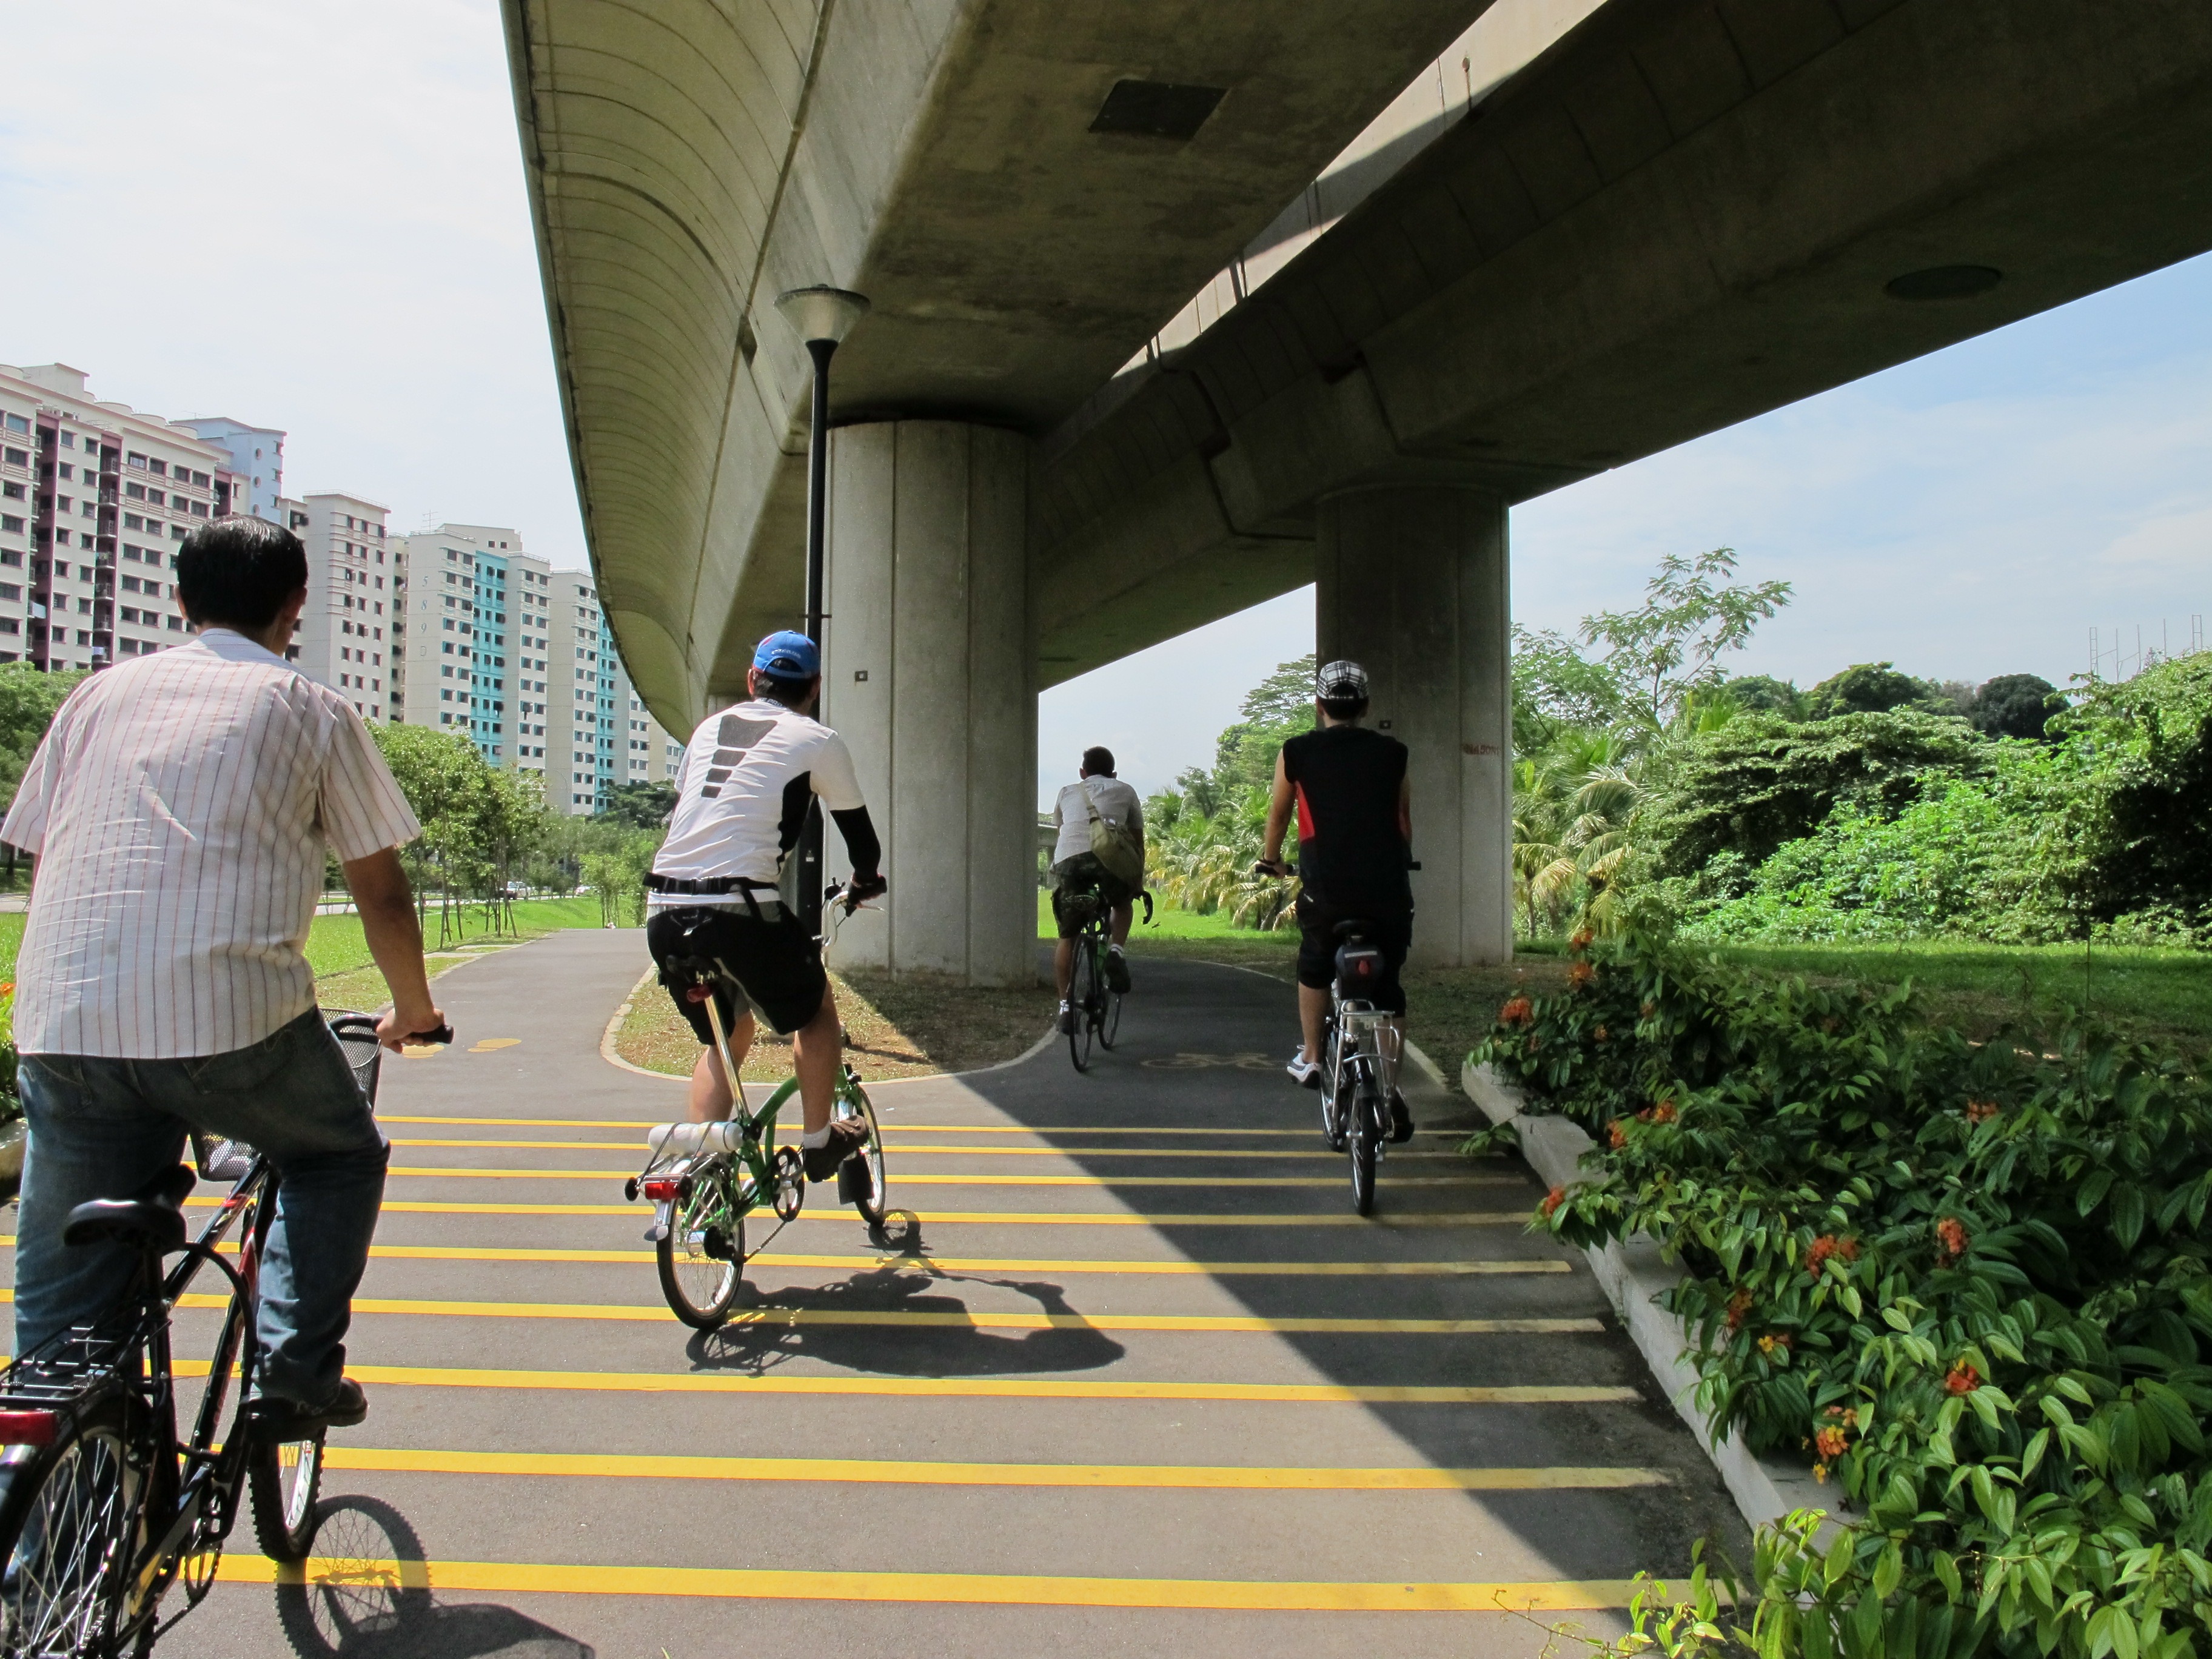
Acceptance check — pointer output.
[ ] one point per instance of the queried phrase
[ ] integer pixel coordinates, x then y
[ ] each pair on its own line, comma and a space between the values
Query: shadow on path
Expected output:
372, 1598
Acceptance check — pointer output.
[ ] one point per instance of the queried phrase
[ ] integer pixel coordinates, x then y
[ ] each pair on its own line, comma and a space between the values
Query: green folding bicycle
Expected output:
705, 1179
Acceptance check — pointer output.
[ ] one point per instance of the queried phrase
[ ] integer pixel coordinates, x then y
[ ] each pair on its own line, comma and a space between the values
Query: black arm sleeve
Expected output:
867, 853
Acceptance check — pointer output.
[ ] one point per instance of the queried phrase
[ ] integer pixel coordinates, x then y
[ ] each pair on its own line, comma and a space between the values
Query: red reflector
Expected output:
659, 1191
26, 1428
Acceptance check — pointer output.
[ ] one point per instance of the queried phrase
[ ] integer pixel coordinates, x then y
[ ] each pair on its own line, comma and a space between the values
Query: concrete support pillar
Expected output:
1413, 585
929, 671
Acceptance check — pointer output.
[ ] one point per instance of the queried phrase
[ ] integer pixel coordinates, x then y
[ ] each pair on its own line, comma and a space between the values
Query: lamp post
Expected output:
822, 316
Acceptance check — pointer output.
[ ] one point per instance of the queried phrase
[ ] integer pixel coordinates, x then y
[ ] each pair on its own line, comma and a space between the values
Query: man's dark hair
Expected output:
792, 694
1098, 761
1344, 709
238, 572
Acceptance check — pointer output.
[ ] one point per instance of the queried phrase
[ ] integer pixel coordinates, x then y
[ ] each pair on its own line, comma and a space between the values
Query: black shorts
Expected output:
772, 961
1318, 945
1071, 878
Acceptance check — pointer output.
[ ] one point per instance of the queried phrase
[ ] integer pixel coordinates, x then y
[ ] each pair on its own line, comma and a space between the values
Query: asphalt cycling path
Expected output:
1132, 1380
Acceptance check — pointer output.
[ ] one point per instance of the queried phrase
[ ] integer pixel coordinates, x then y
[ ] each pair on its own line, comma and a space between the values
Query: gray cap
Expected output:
1340, 682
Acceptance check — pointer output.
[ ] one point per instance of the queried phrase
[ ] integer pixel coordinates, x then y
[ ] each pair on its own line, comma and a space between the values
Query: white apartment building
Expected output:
257, 461
343, 639
94, 498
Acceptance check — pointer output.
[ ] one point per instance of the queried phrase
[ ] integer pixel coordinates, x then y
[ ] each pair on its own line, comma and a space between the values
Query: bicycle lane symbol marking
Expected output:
1189, 1062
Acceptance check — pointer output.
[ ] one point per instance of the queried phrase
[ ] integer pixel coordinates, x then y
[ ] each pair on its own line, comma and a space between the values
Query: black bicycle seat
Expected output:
153, 1220
1351, 929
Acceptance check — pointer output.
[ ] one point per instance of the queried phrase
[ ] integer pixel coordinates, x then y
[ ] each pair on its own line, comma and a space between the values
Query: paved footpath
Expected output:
1143, 1384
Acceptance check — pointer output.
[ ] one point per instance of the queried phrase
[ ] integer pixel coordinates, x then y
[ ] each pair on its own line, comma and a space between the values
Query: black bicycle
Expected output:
104, 1508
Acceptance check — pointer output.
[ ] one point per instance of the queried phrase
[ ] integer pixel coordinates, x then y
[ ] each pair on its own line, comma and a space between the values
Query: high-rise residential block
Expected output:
257, 461
94, 497
345, 637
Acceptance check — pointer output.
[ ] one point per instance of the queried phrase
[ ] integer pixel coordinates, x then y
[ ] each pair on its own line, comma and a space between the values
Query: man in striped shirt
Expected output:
180, 806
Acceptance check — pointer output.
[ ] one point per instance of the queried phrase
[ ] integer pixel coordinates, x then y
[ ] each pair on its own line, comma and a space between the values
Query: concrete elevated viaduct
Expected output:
1611, 230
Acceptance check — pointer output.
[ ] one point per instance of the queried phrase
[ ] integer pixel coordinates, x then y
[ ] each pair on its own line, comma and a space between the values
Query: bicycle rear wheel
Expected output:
69, 1520
1365, 1135
701, 1255
1082, 992
871, 1196
283, 1481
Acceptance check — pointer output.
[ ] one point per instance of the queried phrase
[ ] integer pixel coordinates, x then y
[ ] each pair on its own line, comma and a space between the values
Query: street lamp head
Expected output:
822, 313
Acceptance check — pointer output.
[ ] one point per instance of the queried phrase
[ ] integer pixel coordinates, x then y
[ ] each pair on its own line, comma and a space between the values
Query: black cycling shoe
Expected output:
848, 1135
1401, 1120
1117, 973
272, 1420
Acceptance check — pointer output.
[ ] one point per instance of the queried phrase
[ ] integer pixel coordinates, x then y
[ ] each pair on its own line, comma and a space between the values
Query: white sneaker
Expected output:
1304, 1073
1066, 1017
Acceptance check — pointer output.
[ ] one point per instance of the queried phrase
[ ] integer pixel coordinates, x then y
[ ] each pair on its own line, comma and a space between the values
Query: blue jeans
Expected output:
103, 1128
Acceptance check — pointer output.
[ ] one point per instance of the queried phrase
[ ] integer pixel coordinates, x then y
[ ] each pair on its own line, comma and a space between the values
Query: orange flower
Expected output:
1582, 939
8, 988
1850, 1414
1963, 1379
1827, 1246
1581, 976
1739, 1308
1598, 1036
1517, 1011
1616, 1134
1820, 1471
1663, 1112
1830, 1443
1553, 1199
1951, 1235
1773, 1343
1980, 1111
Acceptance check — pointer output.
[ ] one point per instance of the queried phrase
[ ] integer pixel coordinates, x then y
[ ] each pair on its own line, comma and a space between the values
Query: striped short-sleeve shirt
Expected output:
180, 807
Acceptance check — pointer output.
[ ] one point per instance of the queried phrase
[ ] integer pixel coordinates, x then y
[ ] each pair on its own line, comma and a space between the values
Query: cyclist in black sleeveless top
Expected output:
1347, 786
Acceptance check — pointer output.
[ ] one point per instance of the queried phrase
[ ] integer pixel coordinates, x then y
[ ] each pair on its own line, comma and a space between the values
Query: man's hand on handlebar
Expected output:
862, 888
417, 1025
1274, 867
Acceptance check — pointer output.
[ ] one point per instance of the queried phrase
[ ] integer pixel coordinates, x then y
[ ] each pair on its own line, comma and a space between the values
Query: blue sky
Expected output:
311, 215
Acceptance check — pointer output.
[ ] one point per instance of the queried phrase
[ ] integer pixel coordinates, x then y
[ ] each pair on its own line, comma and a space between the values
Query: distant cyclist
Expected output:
1097, 798
1354, 812
750, 775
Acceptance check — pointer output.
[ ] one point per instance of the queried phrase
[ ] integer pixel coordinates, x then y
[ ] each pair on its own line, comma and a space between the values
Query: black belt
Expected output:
722, 884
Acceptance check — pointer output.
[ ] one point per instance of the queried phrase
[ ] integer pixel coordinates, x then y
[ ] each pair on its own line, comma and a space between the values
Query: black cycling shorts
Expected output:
772, 961
1081, 874
1318, 945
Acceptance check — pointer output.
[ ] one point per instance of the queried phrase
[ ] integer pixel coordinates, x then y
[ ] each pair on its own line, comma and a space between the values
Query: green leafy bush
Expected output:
1968, 1282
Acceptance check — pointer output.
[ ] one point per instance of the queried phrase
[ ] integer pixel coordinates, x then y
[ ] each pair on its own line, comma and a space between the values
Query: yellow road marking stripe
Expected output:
926, 1263
966, 1319
890, 1125
975, 1388
997, 1218
892, 1145
1223, 1478
999, 1589
428, 1172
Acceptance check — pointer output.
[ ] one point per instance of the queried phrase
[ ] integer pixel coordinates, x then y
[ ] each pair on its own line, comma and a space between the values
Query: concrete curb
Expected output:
1632, 1274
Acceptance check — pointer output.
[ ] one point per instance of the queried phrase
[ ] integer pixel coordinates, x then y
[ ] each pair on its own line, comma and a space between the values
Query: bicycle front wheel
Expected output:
283, 1481
1082, 996
68, 1521
701, 1255
861, 1176
1109, 1025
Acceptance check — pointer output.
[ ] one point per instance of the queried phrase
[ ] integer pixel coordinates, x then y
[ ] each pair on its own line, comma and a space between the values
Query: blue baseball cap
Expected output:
788, 656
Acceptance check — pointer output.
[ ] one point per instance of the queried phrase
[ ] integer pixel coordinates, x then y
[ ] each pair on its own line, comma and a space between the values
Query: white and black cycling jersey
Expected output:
749, 774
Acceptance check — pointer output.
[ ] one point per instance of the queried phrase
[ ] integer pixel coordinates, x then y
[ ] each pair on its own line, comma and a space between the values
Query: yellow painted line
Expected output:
890, 1125
966, 1319
998, 1218
430, 1172
492, 1045
928, 1264
995, 1589
891, 1145
863, 1472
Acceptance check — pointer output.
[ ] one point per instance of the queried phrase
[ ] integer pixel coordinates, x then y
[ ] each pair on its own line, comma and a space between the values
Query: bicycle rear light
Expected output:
27, 1428
661, 1191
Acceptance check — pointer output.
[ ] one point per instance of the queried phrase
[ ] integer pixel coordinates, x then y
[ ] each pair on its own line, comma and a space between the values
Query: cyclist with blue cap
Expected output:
750, 776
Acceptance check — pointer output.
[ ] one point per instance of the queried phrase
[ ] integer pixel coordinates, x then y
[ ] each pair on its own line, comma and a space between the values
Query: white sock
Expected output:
816, 1137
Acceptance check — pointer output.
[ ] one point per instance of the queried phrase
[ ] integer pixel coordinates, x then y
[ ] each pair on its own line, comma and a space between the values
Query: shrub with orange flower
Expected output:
1553, 1199
1739, 1309
1775, 1342
1963, 1379
1581, 940
1980, 1111
1581, 976
1517, 1011
1616, 1134
1828, 1247
1830, 1443
1951, 1237
1663, 1112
